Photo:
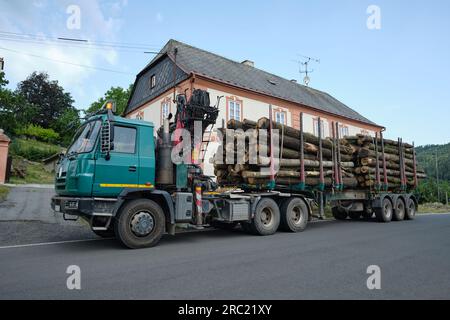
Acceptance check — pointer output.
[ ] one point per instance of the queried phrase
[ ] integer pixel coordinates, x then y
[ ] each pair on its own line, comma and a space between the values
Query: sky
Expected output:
397, 74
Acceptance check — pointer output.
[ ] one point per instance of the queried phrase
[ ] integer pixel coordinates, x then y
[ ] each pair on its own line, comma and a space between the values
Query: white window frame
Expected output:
316, 127
237, 112
165, 105
280, 117
344, 131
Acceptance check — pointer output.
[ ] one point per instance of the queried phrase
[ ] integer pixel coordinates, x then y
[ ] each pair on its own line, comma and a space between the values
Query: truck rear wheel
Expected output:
294, 215
384, 214
140, 224
338, 213
399, 212
267, 217
411, 210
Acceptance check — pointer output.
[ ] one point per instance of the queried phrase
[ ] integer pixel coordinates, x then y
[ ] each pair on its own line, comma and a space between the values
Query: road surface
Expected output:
328, 261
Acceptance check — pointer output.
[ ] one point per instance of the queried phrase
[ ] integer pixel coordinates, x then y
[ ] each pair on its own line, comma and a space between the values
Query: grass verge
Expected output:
3, 193
433, 208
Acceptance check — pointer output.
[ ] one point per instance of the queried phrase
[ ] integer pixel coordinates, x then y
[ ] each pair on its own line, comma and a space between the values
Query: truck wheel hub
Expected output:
142, 224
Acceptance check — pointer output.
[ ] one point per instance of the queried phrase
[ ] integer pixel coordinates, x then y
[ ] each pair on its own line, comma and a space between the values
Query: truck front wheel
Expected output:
140, 224
267, 217
294, 215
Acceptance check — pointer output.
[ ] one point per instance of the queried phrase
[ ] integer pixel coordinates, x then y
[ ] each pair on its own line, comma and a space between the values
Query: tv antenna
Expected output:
304, 67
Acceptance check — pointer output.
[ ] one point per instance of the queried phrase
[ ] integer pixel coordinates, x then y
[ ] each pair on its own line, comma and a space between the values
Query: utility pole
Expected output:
437, 178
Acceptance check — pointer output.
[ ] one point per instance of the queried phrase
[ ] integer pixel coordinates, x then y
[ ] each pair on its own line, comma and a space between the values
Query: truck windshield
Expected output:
85, 137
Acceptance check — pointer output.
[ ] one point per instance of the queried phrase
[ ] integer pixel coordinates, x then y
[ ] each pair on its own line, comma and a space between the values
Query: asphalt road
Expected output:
328, 261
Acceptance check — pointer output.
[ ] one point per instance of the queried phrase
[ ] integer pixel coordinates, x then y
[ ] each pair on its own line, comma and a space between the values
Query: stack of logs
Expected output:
355, 158
288, 151
396, 169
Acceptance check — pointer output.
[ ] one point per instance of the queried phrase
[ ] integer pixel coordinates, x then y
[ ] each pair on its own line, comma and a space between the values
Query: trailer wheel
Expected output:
267, 217
399, 212
411, 210
338, 213
140, 224
384, 214
294, 215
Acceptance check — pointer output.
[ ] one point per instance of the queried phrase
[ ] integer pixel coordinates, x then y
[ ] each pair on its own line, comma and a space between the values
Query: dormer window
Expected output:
153, 81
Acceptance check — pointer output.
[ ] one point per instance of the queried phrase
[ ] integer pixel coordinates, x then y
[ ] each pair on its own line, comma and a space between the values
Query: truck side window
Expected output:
124, 139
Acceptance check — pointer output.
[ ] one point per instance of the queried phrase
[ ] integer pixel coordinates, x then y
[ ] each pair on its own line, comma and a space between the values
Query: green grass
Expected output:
35, 173
433, 208
32, 150
3, 193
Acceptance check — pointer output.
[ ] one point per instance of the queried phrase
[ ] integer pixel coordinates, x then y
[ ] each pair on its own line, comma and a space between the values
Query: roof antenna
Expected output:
303, 67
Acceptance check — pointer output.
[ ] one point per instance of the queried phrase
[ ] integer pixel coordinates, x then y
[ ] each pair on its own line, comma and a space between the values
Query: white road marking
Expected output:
51, 243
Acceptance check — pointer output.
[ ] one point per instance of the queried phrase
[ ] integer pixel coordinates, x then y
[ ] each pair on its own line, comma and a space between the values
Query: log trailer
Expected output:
122, 181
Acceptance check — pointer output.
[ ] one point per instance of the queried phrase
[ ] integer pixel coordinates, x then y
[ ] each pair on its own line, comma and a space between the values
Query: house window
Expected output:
316, 127
280, 117
343, 131
365, 132
234, 110
153, 81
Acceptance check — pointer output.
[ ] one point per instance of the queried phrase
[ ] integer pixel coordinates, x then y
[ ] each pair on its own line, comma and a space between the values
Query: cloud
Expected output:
48, 19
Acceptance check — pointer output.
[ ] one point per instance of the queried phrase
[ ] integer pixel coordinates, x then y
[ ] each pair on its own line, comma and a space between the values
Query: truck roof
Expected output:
119, 119
133, 121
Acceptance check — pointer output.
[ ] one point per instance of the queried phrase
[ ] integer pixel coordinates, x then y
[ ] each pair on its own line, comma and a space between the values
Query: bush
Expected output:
32, 150
36, 132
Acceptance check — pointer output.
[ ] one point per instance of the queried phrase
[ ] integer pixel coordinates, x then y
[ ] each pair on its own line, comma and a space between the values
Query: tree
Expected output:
12, 108
117, 94
47, 99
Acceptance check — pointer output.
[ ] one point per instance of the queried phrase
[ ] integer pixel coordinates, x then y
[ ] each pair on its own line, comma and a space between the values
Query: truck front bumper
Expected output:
73, 206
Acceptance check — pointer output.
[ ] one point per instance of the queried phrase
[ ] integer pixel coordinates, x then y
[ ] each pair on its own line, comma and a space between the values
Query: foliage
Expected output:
117, 94
427, 191
38, 133
47, 99
426, 157
32, 150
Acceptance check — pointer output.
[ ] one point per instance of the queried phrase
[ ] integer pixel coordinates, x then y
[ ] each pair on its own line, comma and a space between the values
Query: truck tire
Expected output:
338, 213
411, 210
267, 217
400, 209
140, 224
384, 214
294, 215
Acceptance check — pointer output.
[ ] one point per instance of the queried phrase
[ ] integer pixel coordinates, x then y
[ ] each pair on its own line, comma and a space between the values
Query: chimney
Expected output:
248, 63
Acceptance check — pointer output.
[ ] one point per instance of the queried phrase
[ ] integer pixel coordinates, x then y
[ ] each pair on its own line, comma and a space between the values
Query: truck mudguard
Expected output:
128, 194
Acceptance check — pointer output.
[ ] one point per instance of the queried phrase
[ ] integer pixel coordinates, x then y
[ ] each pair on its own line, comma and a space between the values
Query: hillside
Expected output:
426, 157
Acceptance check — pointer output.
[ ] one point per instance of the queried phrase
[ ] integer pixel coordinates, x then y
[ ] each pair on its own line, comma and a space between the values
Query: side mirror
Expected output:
106, 139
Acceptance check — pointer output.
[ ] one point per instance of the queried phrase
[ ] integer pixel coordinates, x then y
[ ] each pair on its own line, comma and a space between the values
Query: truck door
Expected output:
122, 169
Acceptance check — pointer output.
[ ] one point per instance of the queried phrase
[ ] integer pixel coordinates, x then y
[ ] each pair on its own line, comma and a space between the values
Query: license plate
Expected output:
71, 205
